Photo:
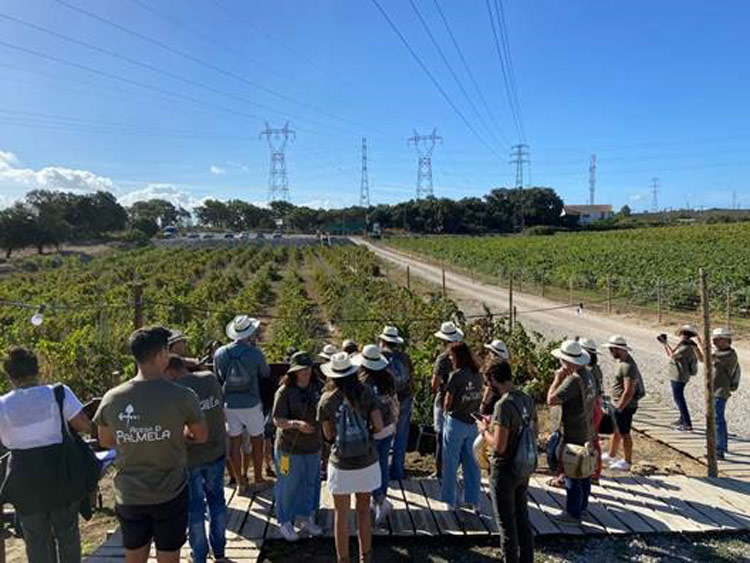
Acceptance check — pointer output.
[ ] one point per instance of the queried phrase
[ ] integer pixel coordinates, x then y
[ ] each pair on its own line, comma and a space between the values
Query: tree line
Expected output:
51, 218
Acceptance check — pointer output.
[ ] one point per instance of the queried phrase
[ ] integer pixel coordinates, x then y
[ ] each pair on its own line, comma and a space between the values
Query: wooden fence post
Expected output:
137, 305
444, 282
729, 307
571, 289
609, 294
408, 277
658, 300
713, 469
542, 281
510, 302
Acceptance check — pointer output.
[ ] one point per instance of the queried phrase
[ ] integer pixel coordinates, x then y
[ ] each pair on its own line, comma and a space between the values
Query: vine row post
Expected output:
510, 302
542, 282
137, 305
713, 469
444, 293
571, 289
609, 294
729, 308
658, 300
408, 277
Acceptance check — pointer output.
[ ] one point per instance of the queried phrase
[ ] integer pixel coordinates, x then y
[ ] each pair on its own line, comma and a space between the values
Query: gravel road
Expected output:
567, 322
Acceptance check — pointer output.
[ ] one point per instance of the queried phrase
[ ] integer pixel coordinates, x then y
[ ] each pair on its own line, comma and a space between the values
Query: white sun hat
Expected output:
390, 334
617, 341
340, 366
371, 358
328, 351
499, 349
450, 332
242, 327
689, 329
571, 351
721, 332
589, 345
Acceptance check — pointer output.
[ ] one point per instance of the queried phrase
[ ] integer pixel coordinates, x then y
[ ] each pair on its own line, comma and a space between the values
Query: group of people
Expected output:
180, 424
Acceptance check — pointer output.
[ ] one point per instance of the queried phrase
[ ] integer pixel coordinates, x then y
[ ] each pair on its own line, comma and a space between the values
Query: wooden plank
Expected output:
399, 519
617, 504
599, 511
619, 489
486, 512
419, 509
444, 516
672, 510
237, 509
587, 526
471, 522
257, 518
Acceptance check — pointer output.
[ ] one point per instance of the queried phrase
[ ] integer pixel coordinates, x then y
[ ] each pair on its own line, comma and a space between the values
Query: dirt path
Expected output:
558, 323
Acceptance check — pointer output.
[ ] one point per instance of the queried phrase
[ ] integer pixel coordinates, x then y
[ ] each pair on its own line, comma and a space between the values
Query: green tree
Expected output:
17, 224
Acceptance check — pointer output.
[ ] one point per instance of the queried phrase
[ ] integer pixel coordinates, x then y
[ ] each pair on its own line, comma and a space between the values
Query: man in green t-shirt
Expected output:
726, 380
205, 463
148, 421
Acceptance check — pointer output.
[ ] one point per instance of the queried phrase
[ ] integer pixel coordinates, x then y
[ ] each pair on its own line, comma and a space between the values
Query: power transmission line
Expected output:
467, 68
432, 78
453, 72
278, 183
425, 144
519, 157
503, 26
592, 179
506, 79
364, 188
655, 195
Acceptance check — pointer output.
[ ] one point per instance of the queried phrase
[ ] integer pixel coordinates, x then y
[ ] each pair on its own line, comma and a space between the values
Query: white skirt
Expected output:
350, 481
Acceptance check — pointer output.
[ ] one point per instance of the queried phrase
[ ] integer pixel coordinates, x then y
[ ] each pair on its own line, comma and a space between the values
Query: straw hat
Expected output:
340, 366
588, 344
572, 352
299, 361
499, 349
687, 329
328, 351
721, 332
242, 327
617, 341
371, 358
390, 334
176, 336
449, 332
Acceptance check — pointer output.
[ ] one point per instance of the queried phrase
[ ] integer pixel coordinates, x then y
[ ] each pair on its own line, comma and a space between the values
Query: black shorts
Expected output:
165, 523
624, 420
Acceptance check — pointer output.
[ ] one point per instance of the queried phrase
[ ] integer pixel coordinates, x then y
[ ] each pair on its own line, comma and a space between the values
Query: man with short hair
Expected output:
205, 463
726, 381
148, 420
626, 392
240, 366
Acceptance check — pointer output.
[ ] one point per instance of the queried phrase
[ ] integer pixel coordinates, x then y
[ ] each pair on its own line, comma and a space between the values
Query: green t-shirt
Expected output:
507, 413
626, 369
147, 418
465, 386
683, 359
442, 370
577, 407
328, 411
211, 400
725, 362
296, 403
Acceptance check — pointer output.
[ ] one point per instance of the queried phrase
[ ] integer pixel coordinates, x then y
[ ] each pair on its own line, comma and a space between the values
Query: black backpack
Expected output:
525, 458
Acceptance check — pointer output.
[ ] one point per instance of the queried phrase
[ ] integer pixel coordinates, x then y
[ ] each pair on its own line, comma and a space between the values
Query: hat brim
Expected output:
391, 339
457, 336
375, 365
176, 339
681, 331
610, 345
330, 373
296, 368
581, 360
242, 334
503, 354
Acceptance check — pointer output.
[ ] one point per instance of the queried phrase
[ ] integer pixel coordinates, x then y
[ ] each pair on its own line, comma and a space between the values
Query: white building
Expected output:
588, 214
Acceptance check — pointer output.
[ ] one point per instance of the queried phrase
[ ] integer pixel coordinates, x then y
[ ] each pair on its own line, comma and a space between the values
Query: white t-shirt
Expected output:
29, 417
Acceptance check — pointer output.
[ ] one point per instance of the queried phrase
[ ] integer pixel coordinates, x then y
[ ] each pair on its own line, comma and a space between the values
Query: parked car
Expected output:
228, 236
260, 236
277, 235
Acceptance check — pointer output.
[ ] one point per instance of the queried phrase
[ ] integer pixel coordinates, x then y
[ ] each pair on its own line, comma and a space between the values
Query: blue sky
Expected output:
653, 88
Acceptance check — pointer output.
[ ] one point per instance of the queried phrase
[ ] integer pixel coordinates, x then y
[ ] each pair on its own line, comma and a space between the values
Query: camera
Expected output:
662, 338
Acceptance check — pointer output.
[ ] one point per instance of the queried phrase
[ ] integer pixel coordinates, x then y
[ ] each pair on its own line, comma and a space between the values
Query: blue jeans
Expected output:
298, 492
384, 448
206, 485
458, 441
578, 491
400, 439
678, 393
722, 435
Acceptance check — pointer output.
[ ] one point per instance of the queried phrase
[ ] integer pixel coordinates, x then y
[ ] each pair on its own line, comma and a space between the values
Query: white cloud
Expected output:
169, 192
317, 204
217, 170
51, 177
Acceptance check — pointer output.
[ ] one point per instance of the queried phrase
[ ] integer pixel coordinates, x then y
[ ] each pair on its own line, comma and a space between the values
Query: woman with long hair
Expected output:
349, 415
463, 395
298, 447
374, 373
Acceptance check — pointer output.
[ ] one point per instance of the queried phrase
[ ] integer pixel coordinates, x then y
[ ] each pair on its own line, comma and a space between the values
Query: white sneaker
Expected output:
382, 511
606, 458
620, 465
312, 528
288, 533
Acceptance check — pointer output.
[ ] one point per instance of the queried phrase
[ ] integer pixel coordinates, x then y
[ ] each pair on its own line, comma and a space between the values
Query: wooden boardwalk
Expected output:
619, 506
655, 420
